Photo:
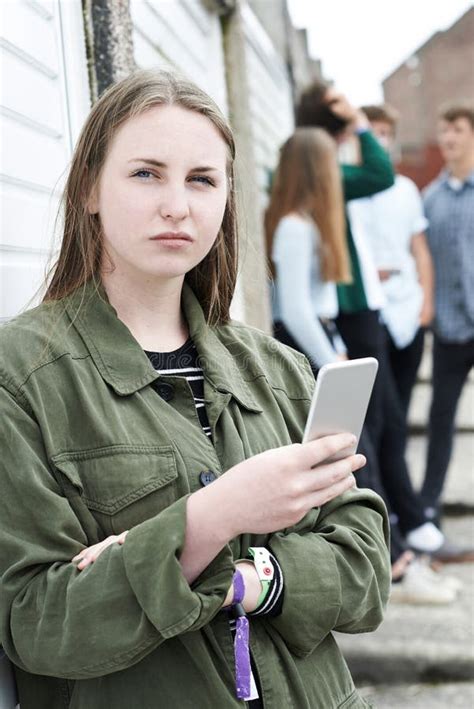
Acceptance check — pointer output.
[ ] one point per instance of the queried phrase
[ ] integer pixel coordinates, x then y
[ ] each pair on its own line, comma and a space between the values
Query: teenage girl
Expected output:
130, 401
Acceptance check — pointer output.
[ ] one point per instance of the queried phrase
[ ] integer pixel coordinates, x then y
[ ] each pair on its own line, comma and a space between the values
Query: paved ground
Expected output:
459, 491
458, 695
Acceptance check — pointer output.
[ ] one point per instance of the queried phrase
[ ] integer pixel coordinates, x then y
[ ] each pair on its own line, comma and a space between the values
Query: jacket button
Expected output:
165, 390
207, 477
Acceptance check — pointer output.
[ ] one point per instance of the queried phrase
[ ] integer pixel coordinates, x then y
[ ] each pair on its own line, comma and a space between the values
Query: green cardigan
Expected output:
374, 174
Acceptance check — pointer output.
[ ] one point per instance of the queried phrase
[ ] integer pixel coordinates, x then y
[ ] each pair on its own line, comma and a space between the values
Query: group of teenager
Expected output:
362, 266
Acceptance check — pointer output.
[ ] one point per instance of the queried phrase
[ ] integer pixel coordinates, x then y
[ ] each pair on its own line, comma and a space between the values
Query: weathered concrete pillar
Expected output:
253, 268
108, 29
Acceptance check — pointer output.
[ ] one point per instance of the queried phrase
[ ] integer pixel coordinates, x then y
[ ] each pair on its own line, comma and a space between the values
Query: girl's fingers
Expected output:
84, 553
92, 553
330, 474
316, 452
321, 497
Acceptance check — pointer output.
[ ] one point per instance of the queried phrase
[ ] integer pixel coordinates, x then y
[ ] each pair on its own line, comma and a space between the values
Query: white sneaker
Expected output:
419, 588
438, 577
425, 539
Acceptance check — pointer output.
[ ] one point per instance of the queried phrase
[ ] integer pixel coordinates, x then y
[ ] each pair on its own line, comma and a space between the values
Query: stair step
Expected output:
459, 489
420, 405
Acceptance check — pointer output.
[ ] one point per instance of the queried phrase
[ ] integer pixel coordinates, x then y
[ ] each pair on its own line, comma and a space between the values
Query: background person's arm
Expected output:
425, 269
373, 174
294, 257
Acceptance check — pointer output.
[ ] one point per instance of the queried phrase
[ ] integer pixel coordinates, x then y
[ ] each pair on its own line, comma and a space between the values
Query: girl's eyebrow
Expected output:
157, 163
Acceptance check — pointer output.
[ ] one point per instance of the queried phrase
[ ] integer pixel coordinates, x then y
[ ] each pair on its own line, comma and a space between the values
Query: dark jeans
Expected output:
363, 337
369, 476
366, 337
451, 366
405, 363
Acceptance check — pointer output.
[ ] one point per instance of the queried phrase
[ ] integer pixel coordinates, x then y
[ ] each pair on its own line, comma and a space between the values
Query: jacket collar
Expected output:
121, 360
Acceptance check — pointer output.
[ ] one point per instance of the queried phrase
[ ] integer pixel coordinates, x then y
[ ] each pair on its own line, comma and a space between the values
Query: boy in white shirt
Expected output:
394, 224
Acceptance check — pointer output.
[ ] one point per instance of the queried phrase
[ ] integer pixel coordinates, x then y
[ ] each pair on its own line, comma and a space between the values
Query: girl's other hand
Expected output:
90, 554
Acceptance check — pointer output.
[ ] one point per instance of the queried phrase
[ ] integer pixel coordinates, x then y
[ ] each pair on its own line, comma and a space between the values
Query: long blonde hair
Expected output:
308, 181
213, 280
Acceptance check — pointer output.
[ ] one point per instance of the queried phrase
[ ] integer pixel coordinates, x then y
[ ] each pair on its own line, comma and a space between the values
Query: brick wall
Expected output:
441, 70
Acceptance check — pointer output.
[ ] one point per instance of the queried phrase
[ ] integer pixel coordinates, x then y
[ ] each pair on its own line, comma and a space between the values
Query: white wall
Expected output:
44, 100
182, 35
270, 97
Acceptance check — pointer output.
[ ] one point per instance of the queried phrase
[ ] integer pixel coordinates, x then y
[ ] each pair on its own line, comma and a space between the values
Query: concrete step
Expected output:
459, 489
418, 644
420, 406
455, 695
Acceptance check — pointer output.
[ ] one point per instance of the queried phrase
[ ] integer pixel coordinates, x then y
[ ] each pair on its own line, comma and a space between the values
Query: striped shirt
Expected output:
449, 207
184, 362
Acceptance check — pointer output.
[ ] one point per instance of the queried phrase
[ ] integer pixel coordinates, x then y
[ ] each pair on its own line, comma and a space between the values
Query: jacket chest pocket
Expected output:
121, 485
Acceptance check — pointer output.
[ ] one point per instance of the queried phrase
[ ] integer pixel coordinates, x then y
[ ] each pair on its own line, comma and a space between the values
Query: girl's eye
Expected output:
142, 173
203, 180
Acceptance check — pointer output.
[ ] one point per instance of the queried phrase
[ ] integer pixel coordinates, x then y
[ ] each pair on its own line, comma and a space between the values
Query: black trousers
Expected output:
405, 363
451, 366
365, 336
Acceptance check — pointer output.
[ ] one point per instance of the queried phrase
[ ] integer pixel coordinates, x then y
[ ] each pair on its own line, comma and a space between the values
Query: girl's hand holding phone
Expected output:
269, 491
275, 489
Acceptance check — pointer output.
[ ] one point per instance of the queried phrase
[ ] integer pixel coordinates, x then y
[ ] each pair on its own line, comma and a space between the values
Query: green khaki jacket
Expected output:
89, 448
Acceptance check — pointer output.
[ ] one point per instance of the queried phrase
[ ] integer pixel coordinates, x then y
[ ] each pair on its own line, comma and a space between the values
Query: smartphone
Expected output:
340, 400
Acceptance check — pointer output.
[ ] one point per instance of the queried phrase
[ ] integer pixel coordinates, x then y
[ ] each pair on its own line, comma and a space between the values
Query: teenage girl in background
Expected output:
305, 230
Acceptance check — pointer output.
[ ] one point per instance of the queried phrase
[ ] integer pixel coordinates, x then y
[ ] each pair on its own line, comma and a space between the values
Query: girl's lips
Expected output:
172, 236
173, 242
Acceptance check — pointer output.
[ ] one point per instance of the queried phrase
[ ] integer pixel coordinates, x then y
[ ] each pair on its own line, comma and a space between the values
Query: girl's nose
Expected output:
174, 203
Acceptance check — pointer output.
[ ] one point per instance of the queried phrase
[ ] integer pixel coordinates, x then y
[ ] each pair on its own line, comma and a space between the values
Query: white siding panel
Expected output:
184, 35
39, 104
30, 33
270, 99
30, 154
27, 217
16, 291
44, 101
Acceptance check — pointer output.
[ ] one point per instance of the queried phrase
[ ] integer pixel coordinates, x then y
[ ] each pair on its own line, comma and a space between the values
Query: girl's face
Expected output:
162, 192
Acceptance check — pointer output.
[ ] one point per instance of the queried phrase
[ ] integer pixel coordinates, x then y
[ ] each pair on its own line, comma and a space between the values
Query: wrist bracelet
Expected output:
264, 568
241, 641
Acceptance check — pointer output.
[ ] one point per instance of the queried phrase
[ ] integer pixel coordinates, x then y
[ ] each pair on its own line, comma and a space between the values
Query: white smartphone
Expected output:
340, 400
